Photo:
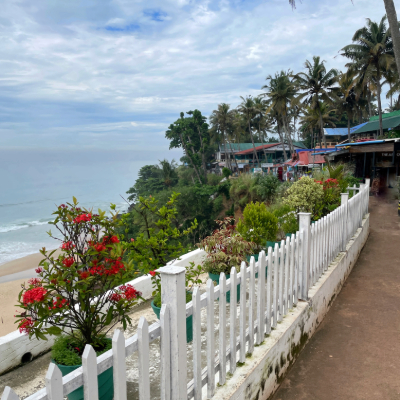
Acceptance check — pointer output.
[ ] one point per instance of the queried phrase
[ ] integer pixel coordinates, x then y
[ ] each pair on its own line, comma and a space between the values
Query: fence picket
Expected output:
261, 297
54, 384
269, 291
196, 343
89, 372
143, 353
165, 344
119, 365
210, 340
242, 318
276, 292
9, 394
233, 316
312, 258
222, 328
286, 283
252, 302
296, 269
281, 278
292, 262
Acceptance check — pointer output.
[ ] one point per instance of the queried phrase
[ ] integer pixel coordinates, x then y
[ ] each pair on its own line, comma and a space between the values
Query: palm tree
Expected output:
371, 55
393, 24
347, 100
168, 172
261, 122
311, 119
317, 85
246, 108
220, 120
280, 93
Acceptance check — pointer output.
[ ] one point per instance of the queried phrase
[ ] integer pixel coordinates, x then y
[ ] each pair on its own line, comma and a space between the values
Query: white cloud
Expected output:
77, 67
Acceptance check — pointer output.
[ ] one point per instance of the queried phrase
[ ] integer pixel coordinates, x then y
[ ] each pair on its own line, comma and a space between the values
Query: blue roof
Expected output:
342, 131
299, 150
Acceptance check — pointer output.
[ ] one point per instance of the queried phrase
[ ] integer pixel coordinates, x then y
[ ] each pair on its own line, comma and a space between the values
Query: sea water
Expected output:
34, 182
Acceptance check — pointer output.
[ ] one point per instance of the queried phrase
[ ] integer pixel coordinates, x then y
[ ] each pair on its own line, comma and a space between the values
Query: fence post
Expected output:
345, 204
174, 296
305, 222
367, 184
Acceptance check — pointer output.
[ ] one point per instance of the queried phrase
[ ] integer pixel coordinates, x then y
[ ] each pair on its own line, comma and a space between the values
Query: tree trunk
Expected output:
190, 158
394, 29
203, 156
237, 166
289, 139
369, 103
348, 127
322, 129
378, 85
283, 143
252, 140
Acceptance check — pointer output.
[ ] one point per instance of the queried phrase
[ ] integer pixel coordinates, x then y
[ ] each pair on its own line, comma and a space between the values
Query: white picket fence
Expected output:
265, 299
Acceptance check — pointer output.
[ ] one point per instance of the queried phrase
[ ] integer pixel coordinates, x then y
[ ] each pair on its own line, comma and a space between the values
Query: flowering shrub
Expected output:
226, 248
305, 195
287, 220
76, 292
331, 198
258, 224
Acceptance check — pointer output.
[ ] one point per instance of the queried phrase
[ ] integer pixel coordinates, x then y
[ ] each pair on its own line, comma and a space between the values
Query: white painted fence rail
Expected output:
268, 290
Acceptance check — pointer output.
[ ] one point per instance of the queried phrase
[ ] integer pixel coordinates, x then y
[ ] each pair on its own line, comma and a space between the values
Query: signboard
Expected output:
258, 170
267, 165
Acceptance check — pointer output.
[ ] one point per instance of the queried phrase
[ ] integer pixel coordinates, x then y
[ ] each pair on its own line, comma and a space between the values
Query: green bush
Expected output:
65, 352
258, 224
242, 190
213, 179
266, 187
305, 195
287, 219
226, 172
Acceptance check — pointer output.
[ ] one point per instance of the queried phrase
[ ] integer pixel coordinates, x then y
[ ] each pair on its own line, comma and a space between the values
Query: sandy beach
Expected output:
12, 275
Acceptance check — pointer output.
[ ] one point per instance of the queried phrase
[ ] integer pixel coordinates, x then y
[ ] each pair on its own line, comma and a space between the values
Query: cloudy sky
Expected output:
114, 74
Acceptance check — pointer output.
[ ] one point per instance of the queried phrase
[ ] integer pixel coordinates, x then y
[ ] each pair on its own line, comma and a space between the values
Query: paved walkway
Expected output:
355, 353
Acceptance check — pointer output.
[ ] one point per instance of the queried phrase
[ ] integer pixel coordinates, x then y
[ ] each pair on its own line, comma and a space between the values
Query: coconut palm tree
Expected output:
393, 24
347, 99
221, 120
246, 108
371, 55
317, 85
280, 93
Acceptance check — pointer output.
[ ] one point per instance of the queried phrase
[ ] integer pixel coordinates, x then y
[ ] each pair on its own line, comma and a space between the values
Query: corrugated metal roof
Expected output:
342, 131
239, 146
373, 126
261, 147
384, 116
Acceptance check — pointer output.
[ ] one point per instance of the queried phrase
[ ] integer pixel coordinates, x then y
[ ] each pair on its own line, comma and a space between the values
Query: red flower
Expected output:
68, 262
152, 273
99, 247
39, 270
84, 275
132, 240
34, 295
67, 245
129, 292
35, 281
83, 218
26, 325
115, 297
114, 239
54, 281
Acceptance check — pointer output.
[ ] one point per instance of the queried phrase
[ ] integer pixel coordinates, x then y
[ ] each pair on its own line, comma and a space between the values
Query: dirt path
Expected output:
355, 353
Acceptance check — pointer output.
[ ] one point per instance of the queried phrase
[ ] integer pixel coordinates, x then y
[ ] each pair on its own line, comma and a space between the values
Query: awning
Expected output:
373, 126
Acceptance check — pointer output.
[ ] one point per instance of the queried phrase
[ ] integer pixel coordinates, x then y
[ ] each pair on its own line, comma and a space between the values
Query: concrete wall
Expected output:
262, 373
15, 345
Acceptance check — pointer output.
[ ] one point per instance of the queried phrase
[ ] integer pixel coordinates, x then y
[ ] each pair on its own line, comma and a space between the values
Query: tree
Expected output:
192, 134
347, 100
393, 24
221, 121
317, 85
371, 55
280, 93
168, 172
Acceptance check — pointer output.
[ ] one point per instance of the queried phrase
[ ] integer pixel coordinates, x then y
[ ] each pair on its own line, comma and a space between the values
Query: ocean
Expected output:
34, 182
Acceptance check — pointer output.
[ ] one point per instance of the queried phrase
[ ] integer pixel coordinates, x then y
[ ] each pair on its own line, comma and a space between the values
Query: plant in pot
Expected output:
225, 248
258, 226
192, 278
76, 295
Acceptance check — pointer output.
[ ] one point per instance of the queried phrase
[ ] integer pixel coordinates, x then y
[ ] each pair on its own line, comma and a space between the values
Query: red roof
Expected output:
306, 158
251, 150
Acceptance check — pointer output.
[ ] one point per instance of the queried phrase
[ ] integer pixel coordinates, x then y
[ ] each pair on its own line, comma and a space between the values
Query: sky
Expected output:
112, 75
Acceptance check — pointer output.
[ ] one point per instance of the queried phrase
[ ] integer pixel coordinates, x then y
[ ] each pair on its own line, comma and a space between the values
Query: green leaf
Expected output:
109, 315
54, 330
74, 200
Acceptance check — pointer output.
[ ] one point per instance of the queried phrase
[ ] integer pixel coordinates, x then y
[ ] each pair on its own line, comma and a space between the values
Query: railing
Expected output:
268, 290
